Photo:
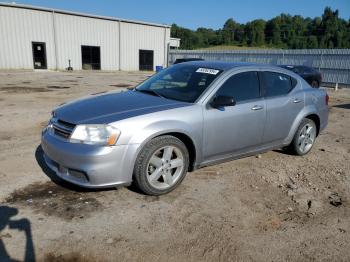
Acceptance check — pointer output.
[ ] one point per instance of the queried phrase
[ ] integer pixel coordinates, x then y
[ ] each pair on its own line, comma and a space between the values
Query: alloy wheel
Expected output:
306, 137
165, 167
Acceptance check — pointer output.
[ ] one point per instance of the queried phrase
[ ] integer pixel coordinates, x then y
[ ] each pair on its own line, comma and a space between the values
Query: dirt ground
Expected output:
272, 207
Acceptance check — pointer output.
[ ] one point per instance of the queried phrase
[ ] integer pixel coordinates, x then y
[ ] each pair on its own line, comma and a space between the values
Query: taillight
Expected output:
327, 99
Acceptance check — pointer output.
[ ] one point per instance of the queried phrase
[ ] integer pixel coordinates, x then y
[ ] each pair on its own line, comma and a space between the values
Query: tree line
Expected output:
283, 31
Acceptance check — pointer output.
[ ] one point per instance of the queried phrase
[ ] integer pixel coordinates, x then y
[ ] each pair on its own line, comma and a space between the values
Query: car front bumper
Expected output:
89, 165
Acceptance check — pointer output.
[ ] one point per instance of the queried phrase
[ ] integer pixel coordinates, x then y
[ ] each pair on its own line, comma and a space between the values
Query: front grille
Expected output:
66, 124
63, 129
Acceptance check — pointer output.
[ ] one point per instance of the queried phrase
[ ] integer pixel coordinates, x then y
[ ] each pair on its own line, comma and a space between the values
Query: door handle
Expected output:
255, 108
297, 100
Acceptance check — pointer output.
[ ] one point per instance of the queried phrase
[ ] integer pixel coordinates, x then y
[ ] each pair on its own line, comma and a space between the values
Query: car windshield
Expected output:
181, 82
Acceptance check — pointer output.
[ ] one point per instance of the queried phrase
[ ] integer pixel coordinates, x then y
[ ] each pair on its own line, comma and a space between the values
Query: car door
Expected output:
235, 129
283, 103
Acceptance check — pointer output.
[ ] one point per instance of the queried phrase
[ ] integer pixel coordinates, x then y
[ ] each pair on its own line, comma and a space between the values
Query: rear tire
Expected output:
161, 165
304, 137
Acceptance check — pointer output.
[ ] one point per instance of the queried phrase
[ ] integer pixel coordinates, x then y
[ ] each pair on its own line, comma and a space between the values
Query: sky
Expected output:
195, 13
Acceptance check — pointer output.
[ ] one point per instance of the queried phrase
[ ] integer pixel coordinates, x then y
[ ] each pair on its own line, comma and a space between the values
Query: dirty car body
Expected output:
219, 111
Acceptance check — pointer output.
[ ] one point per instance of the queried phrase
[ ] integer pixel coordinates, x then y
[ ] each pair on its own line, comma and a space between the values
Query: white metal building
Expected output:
40, 38
175, 42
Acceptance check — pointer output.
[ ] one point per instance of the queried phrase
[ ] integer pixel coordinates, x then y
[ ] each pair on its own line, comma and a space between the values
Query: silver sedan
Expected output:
188, 116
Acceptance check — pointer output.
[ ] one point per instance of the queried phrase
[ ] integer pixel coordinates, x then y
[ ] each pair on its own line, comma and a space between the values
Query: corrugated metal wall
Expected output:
64, 34
134, 37
18, 29
334, 64
74, 31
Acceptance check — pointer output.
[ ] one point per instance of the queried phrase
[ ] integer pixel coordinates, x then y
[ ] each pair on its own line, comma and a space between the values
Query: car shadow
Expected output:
133, 188
23, 224
284, 151
344, 106
39, 156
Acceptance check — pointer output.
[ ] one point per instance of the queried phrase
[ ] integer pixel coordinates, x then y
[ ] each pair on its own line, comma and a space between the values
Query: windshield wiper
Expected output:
149, 91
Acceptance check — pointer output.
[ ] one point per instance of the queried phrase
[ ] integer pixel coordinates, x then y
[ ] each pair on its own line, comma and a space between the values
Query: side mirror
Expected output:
222, 101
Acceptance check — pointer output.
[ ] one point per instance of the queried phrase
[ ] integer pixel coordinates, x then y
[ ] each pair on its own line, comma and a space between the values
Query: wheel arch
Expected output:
308, 112
188, 135
188, 142
314, 117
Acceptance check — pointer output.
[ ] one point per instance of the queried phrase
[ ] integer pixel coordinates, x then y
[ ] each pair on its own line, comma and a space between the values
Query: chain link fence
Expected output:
334, 64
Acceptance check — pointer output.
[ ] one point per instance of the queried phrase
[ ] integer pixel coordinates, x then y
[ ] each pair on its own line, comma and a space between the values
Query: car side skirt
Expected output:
231, 157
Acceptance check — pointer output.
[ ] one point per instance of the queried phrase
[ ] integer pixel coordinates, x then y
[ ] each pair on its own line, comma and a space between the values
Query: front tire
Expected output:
161, 165
304, 137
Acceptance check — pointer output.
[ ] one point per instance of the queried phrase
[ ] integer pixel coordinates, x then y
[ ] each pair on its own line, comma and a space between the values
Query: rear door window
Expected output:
241, 86
275, 84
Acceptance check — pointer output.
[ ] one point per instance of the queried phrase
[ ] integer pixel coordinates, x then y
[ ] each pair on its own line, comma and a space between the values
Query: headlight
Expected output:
95, 134
48, 127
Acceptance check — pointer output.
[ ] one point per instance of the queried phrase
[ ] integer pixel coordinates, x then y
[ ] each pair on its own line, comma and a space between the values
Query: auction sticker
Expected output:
208, 71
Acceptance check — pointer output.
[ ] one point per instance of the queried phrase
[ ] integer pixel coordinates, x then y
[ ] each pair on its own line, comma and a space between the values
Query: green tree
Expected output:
329, 27
229, 30
255, 34
207, 37
283, 31
312, 42
273, 31
189, 39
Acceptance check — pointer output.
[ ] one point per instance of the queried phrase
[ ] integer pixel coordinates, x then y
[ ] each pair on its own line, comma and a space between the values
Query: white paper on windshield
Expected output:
207, 71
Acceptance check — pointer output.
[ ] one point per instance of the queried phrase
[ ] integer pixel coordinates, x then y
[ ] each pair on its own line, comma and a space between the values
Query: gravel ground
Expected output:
271, 207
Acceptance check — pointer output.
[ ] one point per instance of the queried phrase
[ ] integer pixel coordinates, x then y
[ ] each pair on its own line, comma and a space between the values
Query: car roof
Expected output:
296, 66
190, 59
221, 65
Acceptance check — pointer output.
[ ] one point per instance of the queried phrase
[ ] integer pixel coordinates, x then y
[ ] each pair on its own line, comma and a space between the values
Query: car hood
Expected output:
111, 107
